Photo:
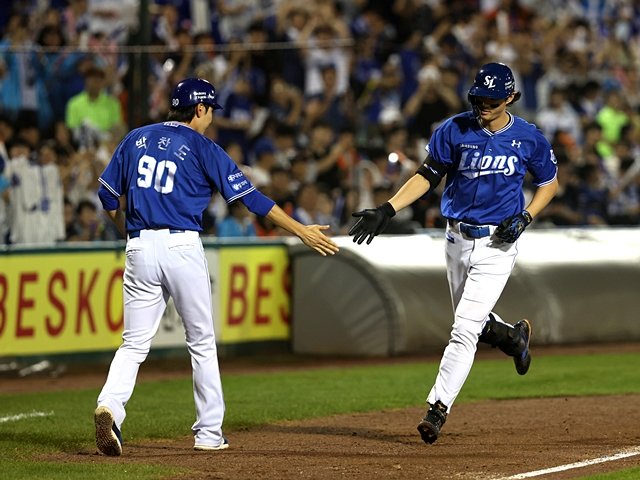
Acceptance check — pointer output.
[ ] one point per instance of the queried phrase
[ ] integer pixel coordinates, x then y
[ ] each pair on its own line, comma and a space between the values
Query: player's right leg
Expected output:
144, 303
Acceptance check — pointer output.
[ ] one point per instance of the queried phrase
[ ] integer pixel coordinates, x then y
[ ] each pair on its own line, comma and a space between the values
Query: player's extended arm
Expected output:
511, 228
372, 221
411, 191
311, 235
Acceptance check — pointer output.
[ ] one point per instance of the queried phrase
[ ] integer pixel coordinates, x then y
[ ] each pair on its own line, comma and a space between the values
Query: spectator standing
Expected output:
624, 196
237, 223
326, 149
265, 160
317, 44
559, 115
235, 17
36, 197
75, 20
291, 17
235, 120
613, 116
52, 40
285, 103
381, 101
6, 133
329, 105
88, 225
113, 19
281, 191
592, 195
432, 101
366, 65
93, 112
306, 208
23, 92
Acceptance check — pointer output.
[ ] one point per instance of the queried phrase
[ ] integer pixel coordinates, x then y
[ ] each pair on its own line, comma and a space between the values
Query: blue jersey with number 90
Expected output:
169, 172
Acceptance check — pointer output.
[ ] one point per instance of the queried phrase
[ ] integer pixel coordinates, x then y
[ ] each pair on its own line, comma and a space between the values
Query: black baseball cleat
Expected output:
523, 360
432, 422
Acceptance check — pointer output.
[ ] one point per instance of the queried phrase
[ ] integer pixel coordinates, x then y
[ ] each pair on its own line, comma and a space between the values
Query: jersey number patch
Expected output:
159, 174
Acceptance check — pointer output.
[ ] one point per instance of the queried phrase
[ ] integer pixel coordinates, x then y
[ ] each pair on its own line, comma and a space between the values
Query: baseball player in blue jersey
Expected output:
165, 175
484, 155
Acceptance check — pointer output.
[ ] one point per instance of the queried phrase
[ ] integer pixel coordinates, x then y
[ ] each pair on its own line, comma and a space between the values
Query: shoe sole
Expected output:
106, 439
208, 448
427, 432
522, 365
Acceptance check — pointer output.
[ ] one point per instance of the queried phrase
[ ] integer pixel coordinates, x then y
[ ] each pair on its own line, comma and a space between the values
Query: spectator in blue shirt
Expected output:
238, 222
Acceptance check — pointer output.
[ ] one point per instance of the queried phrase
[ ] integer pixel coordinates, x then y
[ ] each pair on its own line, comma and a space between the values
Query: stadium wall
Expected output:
391, 297
387, 298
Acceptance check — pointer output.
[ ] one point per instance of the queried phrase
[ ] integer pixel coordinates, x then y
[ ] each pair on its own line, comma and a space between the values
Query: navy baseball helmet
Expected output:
192, 91
493, 80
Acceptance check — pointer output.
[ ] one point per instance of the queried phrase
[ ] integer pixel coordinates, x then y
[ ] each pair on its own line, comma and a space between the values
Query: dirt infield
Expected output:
483, 440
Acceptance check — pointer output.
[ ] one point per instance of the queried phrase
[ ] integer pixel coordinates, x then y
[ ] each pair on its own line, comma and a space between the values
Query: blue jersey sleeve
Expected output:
440, 147
113, 178
225, 174
109, 200
542, 164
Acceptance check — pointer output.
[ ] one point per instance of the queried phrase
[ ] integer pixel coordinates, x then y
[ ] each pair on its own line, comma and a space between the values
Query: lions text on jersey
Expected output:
486, 169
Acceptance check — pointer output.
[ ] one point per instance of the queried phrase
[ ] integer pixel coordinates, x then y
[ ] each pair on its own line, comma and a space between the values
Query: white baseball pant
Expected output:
477, 271
160, 264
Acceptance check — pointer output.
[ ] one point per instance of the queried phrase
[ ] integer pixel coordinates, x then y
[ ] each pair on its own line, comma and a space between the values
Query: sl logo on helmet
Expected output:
175, 102
488, 81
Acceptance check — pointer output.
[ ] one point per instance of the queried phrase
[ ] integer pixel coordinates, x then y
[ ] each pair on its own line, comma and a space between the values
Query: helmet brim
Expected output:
486, 93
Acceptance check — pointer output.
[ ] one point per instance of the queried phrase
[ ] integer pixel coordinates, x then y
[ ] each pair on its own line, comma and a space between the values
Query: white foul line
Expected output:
630, 452
22, 416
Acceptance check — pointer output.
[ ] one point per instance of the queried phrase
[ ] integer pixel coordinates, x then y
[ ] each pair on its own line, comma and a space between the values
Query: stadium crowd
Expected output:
328, 104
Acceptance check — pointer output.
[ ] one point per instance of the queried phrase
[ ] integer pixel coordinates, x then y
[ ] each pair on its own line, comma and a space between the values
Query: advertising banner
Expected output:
254, 294
60, 302
68, 301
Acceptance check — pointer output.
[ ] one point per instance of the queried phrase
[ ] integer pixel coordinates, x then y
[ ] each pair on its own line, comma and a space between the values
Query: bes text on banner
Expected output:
254, 289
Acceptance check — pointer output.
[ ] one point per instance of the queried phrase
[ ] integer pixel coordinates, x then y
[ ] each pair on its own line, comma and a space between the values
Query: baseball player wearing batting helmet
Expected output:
484, 155
165, 174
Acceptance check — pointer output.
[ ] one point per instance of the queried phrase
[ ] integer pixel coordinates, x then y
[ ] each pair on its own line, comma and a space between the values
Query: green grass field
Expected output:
253, 399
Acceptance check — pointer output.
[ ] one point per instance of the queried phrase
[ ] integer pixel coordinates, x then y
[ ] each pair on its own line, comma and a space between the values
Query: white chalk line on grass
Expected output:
629, 452
22, 416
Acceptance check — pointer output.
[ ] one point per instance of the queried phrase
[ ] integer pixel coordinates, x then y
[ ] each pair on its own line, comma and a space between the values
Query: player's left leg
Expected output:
512, 340
190, 287
488, 270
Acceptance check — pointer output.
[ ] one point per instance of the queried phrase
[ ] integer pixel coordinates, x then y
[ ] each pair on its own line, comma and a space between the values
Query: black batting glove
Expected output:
371, 222
511, 228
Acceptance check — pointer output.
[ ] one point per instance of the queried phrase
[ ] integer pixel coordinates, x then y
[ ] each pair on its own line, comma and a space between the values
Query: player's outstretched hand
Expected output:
371, 222
511, 228
315, 239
